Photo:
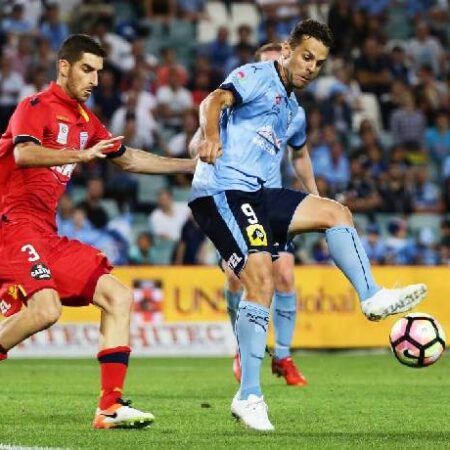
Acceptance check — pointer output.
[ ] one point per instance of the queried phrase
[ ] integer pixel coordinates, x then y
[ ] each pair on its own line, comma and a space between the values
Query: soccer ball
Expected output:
417, 340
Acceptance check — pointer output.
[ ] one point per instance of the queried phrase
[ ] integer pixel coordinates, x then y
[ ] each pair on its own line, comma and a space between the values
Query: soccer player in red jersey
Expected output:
47, 135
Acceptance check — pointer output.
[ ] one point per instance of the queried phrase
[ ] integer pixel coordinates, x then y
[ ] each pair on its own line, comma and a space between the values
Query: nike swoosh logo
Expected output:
112, 416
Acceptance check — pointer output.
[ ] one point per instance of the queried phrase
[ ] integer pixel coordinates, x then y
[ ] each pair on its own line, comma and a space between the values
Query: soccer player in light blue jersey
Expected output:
284, 302
244, 126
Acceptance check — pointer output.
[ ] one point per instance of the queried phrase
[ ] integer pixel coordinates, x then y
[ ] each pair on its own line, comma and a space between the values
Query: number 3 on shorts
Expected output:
34, 255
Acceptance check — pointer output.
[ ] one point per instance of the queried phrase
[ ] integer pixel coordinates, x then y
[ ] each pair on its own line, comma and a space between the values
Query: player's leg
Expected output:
284, 312
92, 282
346, 250
43, 310
115, 301
233, 293
236, 224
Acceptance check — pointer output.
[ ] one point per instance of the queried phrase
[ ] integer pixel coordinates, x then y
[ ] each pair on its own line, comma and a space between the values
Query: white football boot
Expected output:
252, 412
122, 415
387, 302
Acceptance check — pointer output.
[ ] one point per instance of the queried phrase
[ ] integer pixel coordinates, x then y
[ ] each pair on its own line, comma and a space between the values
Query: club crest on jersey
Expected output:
84, 136
41, 272
63, 133
256, 235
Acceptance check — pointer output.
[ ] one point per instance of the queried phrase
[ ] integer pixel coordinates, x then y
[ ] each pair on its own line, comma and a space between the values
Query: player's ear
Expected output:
63, 67
285, 50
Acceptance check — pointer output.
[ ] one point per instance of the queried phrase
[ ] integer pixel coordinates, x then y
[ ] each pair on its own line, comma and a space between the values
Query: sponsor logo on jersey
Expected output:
40, 272
63, 133
84, 136
277, 99
256, 235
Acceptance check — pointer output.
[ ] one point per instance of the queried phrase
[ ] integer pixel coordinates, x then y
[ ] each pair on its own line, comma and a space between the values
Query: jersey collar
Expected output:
277, 70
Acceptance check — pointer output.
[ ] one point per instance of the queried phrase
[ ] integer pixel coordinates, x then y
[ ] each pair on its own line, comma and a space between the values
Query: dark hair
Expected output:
311, 28
74, 46
270, 47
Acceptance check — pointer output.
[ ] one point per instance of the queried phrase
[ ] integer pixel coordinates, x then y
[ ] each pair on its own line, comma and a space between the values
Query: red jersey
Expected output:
54, 120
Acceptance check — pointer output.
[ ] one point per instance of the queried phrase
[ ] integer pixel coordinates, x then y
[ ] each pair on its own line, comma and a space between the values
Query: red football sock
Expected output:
3, 353
114, 365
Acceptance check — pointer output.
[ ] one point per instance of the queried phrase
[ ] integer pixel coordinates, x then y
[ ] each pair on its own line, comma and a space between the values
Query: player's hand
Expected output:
100, 149
209, 150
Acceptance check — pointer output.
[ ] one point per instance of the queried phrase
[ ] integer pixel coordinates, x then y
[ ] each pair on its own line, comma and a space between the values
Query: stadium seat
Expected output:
78, 194
207, 29
148, 187
181, 194
111, 207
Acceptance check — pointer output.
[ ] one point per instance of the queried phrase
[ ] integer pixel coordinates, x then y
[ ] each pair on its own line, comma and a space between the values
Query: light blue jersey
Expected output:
253, 132
297, 130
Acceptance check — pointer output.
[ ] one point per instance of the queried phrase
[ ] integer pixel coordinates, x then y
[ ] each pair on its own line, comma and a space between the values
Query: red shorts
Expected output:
38, 259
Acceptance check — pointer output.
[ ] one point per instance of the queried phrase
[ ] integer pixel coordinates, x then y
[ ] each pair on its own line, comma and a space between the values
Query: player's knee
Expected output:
339, 214
284, 280
48, 313
121, 301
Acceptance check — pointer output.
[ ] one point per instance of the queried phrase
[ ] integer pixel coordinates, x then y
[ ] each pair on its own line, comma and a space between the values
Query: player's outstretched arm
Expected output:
138, 161
304, 169
209, 148
29, 154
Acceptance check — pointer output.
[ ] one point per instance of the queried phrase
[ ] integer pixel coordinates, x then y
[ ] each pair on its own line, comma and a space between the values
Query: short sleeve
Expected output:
297, 130
29, 121
247, 82
100, 134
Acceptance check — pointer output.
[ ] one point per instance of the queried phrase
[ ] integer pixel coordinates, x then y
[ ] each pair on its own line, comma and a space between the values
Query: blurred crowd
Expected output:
378, 116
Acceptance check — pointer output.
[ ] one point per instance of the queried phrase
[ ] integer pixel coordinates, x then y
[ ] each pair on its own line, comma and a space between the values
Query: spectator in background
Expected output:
95, 212
106, 96
64, 215
39, 82
425, 252
336, 111
394, 190
437, 138
424, 49
193, 10
340, 21
11, 83
135, 120
44, 56
80, 228
173, 102
52, 28
220, 51
374, 244
334, 166
188, 251
399, 248
119, 49
167, 220
201, 88
408, 122
20, 55
168, 66
16, 23
245, 32
361, 194
398, 65
178, 144
372, 68
426, 194
141, 253
242, 55
320, 252
430, 93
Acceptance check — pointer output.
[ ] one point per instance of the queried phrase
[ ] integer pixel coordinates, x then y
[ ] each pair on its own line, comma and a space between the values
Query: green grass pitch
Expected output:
352, 401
